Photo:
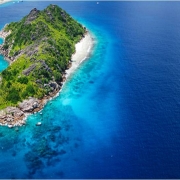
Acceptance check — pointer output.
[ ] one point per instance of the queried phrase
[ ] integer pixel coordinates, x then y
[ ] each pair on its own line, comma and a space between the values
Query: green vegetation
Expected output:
42, 44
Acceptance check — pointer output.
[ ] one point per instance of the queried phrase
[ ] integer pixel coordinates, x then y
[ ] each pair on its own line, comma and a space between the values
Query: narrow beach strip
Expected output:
83, 50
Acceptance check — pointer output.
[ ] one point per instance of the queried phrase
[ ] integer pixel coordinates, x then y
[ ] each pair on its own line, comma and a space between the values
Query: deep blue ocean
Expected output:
118, 115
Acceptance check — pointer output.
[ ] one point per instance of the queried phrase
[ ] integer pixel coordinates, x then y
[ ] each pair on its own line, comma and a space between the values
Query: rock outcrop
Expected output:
32, 16
11, 116
29, 105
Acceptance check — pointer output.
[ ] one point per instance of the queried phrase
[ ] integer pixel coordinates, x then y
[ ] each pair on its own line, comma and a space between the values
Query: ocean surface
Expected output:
118, 115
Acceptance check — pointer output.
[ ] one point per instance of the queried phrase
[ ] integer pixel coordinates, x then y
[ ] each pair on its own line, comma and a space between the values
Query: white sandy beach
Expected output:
83, 50
4, 1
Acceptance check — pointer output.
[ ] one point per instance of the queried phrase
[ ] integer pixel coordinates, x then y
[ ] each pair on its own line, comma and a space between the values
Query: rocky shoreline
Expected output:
16, 116
3, 51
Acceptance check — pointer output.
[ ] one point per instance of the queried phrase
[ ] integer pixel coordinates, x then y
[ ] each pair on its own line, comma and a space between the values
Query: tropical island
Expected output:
40, 49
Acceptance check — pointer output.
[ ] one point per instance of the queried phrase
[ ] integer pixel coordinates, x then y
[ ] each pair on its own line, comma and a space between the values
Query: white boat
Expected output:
38, 124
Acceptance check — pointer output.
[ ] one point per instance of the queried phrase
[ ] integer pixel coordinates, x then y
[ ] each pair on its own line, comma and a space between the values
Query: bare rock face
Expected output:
11, 116
54, 86
32, 15
15, 112
29, 105
28, 70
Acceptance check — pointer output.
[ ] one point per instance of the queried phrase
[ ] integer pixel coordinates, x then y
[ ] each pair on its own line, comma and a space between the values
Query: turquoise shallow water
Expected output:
1, 41
3, 63
118, 115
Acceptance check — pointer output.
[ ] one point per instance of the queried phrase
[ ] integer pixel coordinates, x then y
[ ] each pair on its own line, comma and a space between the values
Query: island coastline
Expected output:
4, 1
3, 36
17, 116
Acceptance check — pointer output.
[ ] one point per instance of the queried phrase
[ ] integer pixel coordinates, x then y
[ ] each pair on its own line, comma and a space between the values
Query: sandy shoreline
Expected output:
82, 52
4, 1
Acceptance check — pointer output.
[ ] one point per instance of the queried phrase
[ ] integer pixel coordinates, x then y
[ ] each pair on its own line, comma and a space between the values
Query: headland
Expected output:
15, 115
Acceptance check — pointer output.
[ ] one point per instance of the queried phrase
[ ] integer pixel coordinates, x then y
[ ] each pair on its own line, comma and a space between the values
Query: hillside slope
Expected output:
40, 47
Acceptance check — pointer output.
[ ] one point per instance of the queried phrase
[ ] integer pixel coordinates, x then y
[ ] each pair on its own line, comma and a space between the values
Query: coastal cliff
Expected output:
39, 49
